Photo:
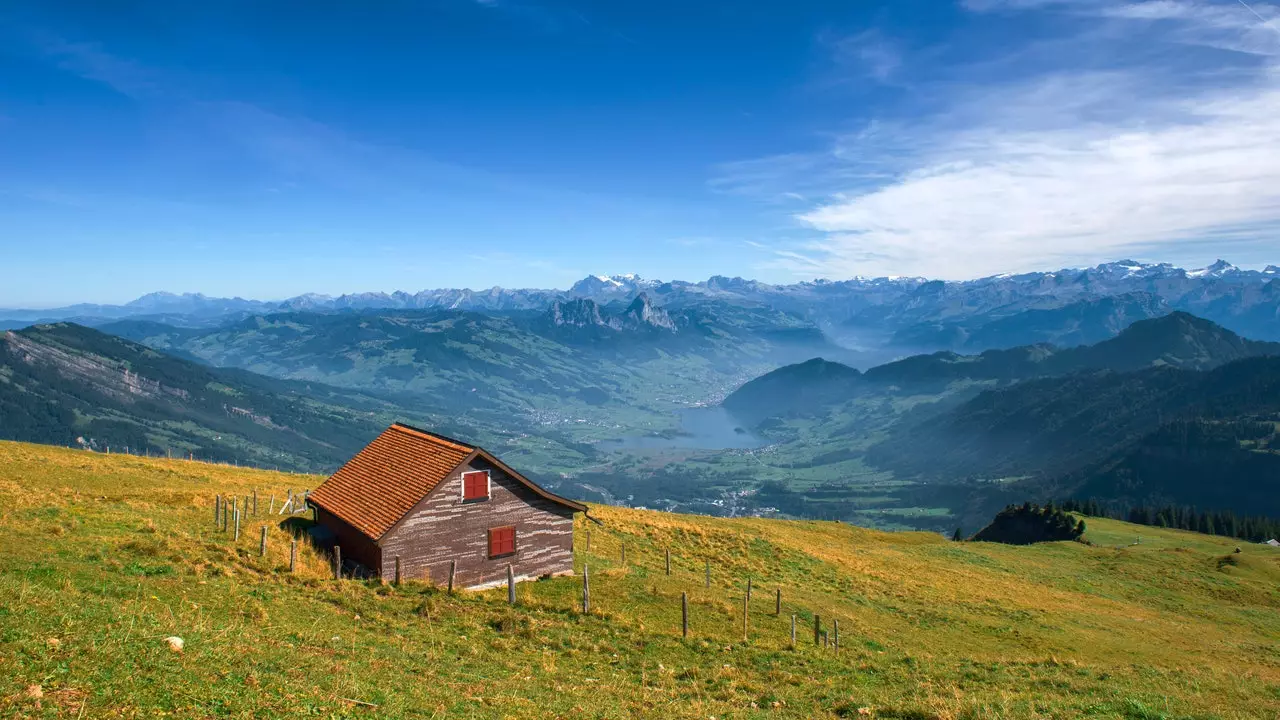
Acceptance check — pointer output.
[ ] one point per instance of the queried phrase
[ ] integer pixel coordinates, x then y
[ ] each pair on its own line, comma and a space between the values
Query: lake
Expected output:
709, 428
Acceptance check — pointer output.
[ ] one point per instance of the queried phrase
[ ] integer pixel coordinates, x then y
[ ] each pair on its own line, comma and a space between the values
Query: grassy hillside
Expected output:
105, 557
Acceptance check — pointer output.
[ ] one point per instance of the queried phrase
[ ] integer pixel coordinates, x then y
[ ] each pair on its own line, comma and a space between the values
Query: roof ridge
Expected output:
441, 439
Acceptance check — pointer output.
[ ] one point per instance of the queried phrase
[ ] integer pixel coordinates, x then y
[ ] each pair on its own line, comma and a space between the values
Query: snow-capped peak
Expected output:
1127, 268
1218, 269
610, 285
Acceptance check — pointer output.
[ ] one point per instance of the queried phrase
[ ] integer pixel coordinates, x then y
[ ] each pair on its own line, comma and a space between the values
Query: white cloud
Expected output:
1239, 27
1072, 167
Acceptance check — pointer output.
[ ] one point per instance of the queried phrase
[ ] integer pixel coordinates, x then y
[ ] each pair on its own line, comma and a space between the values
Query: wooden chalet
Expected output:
429, 500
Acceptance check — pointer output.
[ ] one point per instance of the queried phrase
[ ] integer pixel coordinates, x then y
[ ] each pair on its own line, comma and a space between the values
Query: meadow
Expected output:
104, 557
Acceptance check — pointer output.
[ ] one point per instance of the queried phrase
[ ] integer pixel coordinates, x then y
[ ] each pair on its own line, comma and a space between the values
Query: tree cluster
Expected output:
1027, 523
1209, 522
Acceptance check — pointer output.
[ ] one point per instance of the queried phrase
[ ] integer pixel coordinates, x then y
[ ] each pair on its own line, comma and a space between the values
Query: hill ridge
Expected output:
1178, 339
68, 384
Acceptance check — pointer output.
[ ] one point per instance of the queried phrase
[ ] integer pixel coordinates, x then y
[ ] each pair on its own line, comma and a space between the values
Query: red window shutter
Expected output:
475, 485
502, 541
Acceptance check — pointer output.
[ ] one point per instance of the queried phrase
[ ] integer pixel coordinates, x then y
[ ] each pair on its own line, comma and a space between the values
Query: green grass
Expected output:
104, 557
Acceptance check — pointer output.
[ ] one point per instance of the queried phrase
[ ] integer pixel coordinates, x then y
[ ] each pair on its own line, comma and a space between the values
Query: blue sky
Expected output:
270, 148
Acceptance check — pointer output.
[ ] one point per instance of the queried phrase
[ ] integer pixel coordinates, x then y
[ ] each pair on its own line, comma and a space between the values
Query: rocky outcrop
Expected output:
109, 377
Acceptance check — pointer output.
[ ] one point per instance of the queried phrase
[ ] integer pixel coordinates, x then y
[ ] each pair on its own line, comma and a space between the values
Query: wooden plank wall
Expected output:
354, 544
443, 528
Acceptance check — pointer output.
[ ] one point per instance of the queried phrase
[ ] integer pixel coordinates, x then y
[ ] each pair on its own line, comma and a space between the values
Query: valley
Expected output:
726, 397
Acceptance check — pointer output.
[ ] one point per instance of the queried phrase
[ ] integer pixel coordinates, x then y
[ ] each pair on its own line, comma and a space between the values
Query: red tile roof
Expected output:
388, 477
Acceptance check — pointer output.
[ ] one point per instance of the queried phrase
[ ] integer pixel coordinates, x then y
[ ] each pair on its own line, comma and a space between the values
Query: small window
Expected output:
502, 541
475, 486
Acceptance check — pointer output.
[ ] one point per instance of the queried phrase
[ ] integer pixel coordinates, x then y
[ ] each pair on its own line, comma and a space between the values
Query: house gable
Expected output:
443, 527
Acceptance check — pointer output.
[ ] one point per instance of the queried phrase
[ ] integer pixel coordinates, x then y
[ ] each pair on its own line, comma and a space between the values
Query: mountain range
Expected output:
1068, 306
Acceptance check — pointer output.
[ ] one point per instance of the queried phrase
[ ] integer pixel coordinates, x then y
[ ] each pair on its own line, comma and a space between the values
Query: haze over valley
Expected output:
891, 403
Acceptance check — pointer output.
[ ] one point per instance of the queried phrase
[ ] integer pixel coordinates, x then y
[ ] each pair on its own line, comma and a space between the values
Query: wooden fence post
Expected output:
668, 562
272, 509
255, 502
793, 632
745, 615
748, 589
777, 603
824, 639
586, 589
817, 629
262, 546
237, 535
684, 614
707, 580
835, 634
453, 568
225, 512
293, 555
337, 562
511, 585
217, 510
397, 571
588, 541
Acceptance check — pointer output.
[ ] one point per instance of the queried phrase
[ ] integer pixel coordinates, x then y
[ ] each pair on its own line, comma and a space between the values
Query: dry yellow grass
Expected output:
104, 557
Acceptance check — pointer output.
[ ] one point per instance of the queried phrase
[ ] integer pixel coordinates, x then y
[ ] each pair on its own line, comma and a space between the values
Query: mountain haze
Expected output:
1065, 307
1176, 340
1101, 435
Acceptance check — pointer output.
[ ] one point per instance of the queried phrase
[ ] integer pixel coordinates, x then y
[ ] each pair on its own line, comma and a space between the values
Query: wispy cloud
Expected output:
869, 53
1074, 165
92, 62
282, 151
